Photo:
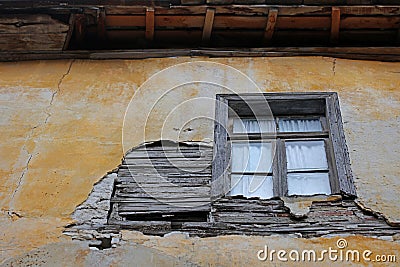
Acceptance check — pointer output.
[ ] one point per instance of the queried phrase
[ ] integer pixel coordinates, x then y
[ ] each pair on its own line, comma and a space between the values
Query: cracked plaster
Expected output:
82, 140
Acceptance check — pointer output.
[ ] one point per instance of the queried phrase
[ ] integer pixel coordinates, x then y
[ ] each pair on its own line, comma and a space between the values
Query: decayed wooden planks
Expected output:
31, 32
163, 179
164, 194
271, 217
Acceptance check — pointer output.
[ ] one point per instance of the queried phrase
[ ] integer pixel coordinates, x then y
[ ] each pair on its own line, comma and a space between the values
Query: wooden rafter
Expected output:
101, 24
335, 25
269, 29
208, 25
149, 24
80, 28
398, 35
70, 31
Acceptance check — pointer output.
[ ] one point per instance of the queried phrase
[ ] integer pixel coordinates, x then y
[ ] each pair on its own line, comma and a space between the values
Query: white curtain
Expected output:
308, 183
299, 125
255, 157
251, 157
253, 126
252, 186
306, 155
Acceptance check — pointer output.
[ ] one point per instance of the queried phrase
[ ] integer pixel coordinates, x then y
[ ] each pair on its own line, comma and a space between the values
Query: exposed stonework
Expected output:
300, 206
142, 200
94, 210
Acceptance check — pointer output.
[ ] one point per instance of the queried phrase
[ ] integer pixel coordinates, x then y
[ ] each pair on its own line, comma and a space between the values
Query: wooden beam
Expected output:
80, 28
335, 24
390, 54
259, 10
70, 31
101, 24
269, 29
149, 24
254, 22
208, 25
398, 36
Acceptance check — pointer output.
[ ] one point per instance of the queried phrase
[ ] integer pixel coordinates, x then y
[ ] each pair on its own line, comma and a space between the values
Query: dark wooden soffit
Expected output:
390, 54
24, 3
84, 26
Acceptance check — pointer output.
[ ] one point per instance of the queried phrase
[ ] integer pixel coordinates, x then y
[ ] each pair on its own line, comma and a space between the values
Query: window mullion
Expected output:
332, 167
279, 169
283, 168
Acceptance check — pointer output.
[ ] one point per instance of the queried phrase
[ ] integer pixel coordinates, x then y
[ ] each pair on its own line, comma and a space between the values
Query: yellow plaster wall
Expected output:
61, 124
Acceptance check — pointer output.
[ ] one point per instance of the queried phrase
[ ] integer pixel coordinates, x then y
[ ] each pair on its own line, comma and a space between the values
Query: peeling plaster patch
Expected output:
300, 206
94, 210
377, 214
92, 215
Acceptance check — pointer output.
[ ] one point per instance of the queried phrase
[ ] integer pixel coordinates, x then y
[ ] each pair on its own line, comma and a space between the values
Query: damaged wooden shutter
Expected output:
163, 181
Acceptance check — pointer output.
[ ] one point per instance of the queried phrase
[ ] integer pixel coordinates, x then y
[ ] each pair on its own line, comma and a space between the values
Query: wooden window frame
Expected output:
321, 104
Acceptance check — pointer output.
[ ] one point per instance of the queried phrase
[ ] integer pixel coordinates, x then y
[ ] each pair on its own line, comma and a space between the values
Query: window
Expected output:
269, 145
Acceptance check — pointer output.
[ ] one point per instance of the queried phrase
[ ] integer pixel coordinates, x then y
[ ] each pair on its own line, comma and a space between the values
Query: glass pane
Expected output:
237, 187
251, 157
251, 186
253, 126
300, 125
308, 183
306, 155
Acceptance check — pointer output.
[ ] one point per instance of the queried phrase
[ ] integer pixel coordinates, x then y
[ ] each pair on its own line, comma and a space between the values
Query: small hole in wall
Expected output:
105, 243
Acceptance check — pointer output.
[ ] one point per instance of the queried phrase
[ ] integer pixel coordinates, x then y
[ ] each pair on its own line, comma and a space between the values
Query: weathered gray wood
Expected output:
333, 181
220, 183
163, 178
282, 174
342, 159
24, 42
31, 24
390, 54
160, 208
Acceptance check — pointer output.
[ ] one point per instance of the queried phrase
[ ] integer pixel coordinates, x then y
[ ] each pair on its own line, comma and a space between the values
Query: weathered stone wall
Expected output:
62, 126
